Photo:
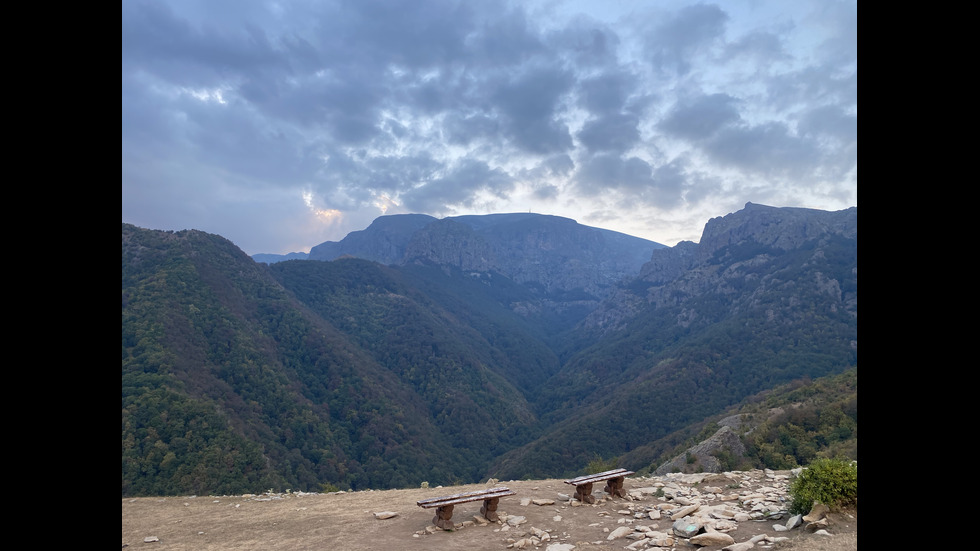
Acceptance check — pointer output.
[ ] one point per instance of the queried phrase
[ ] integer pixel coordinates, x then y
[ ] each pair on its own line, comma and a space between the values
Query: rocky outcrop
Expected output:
702, 456
780, 228
451, 243
556, 257
384, 241
666, 265
750, 256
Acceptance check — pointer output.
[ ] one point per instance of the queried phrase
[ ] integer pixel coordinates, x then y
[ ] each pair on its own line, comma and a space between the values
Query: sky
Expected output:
280, 125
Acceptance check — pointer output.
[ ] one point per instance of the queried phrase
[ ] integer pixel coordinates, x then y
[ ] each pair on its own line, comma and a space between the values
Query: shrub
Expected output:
832, 482
599, 465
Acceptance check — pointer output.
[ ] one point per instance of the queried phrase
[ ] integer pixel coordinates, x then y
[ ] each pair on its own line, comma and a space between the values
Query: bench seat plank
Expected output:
615, 473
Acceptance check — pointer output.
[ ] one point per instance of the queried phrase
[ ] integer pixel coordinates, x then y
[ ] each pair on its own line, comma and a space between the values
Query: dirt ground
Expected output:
347, 522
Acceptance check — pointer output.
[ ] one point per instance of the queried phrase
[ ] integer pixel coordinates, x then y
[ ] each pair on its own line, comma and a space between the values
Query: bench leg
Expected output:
443, 518
614, 487
489, 509
583, 493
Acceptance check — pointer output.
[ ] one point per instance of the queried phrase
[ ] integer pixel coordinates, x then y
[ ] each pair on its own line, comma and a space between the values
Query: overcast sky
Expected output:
283, 124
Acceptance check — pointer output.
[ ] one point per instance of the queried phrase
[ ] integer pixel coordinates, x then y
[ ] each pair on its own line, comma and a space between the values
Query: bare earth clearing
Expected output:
346, 521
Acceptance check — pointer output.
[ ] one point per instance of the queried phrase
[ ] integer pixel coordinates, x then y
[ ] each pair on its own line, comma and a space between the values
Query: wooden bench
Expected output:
444, 505
614, 484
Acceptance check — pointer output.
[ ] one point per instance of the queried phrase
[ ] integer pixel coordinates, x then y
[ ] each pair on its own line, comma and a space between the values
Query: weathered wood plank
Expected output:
615, 473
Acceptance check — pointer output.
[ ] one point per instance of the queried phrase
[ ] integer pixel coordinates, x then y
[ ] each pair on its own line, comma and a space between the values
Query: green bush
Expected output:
600, 465
832, 482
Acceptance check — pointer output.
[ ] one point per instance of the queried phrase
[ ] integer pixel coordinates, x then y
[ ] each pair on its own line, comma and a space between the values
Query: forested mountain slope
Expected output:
768, 297
239, 376
231, 384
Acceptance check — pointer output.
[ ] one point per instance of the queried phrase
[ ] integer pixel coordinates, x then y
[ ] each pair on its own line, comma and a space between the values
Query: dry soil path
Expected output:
347, 521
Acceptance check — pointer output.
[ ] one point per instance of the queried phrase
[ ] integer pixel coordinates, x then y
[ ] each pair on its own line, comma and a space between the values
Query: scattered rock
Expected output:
620, 532
818, 512
385, 515
684, 528
712, 538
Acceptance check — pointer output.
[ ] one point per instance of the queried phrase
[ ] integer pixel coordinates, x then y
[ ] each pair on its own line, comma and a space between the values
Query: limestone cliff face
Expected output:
781, 228
751, 256
701, 457
451, 243
384, 241
550, 254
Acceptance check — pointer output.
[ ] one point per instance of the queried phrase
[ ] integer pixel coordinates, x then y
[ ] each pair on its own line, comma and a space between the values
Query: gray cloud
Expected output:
617, 133
608, 92
322, 115
701, 117
530, 104
458, 188
606, 171
692, 31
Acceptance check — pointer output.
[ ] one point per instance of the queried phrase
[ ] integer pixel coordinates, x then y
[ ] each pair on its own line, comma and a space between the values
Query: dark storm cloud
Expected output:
830, 121
458, 187
586, 44
608, 92
812, 85
529, 105
675, 42
763, 48
382, 173
160, 41
701, 117
617, 133
634, 180
767, 149
714, 125
613, 172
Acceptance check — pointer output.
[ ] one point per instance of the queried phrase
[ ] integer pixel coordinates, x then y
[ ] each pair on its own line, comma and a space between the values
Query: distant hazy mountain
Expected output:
565, 264
269, 258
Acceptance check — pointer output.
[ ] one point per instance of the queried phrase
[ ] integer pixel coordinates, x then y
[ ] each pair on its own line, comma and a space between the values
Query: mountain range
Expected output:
452, 350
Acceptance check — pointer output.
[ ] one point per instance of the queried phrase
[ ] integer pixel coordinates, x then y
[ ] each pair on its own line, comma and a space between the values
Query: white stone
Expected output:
712, 538
686, 511
620, 532
794, 521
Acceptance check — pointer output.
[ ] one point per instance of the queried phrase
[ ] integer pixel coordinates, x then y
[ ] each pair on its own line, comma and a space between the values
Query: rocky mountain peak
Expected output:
734, 250
384, 241
552, 253
782, 228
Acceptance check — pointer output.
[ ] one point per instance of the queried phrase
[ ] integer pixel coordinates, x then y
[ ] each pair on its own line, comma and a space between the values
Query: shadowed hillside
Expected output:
239, 376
